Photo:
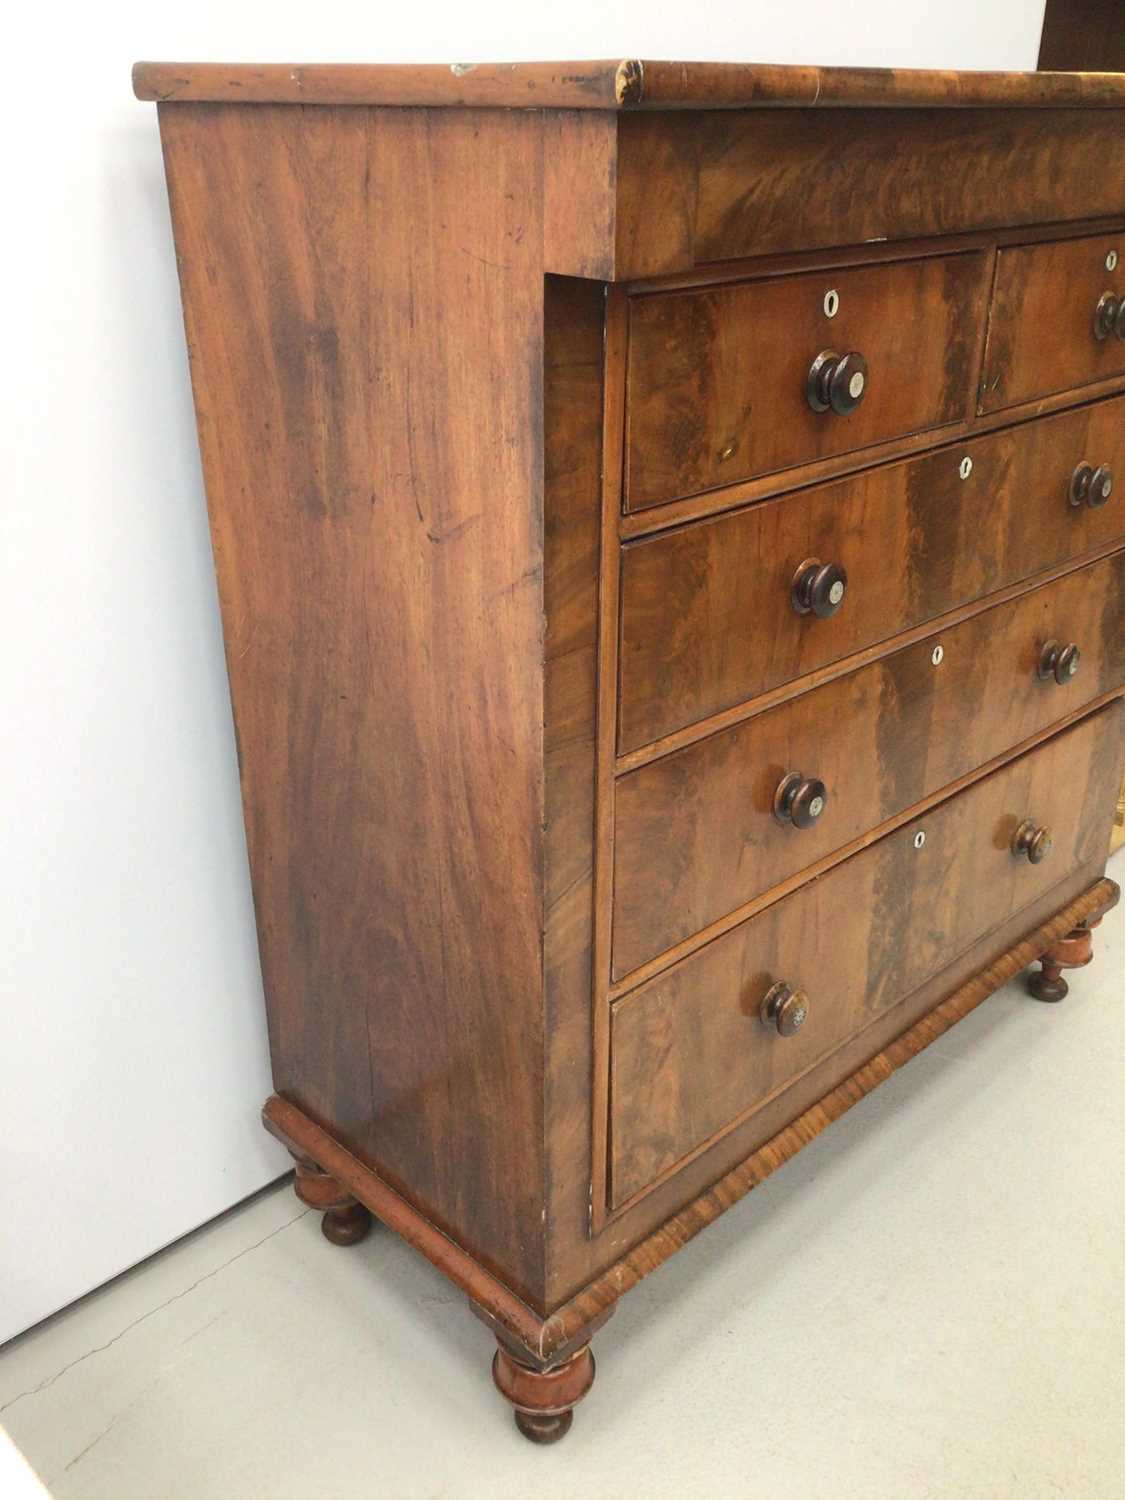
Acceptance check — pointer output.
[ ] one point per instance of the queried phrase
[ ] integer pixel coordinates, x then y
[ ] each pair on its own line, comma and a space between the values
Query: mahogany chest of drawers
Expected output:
672, 572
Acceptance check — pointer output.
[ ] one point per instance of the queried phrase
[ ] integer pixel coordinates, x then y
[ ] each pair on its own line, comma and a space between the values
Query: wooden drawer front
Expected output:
695, 834
1041, 327
717, 378
775, 180
706, 614
690, 1055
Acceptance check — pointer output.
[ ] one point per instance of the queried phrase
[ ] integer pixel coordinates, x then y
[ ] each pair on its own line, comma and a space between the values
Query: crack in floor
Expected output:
51, 1379
108, 1428
93, 1443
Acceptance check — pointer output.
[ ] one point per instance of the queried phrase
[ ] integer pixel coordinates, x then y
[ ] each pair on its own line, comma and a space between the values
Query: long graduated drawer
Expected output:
709, 612
698, 833
691, 1052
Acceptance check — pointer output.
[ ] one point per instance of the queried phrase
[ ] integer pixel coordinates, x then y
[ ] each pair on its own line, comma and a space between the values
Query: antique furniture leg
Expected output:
543, 1388
543, 1396
345, 1220
1074, 951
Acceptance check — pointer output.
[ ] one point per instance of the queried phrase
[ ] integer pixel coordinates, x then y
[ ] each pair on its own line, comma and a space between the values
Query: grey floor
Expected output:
928, 1301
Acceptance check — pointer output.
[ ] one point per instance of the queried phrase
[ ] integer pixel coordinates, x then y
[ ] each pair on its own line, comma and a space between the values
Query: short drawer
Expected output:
708, 614
717, 379
691, 1053
697, 834
1042, 331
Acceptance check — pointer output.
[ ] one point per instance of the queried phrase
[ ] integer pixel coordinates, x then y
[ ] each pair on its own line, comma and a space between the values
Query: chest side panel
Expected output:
367, 386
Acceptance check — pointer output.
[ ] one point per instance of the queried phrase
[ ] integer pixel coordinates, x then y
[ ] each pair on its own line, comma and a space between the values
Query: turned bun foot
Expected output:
347, 1224
1047, 983
345, 1221
538, 1427
544, 1400
1074, 951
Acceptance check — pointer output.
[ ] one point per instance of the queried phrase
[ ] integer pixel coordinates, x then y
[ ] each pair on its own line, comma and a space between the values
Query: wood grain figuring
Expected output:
690, 1053
706, 616
378, 616
716, 378
696, 835
624, 84
1055, 286
772, 181
656, 151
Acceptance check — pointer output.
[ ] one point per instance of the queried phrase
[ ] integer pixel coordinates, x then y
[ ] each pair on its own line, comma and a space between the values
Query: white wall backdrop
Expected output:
132, 1041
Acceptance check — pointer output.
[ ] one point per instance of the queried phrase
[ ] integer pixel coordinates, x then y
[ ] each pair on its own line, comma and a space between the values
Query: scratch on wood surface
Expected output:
249, 640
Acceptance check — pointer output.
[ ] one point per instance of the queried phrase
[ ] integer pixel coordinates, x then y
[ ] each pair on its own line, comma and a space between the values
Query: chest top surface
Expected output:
620, 84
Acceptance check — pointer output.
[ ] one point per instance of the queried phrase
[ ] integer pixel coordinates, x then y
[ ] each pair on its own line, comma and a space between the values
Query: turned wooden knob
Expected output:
819, 588
1109, 317
799, 800
785, 1009
1090, 486
836, 381
1060, 662
1036, 843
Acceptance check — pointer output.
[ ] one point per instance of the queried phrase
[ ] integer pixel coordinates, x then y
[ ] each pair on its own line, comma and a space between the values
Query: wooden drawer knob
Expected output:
785, 1009
1109, 317
836, 381
1059, 662
1090, 486
819, 588
799, 800
1035, 843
